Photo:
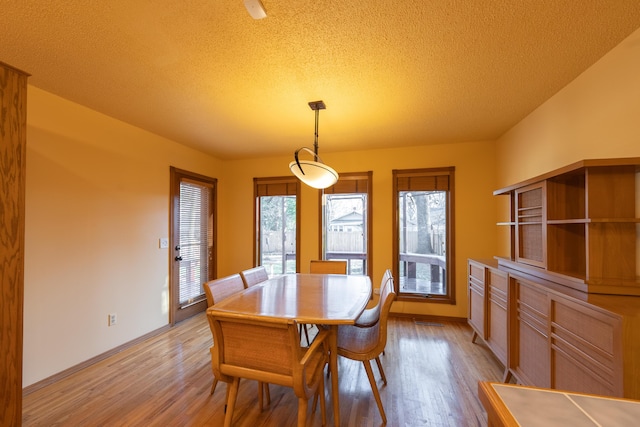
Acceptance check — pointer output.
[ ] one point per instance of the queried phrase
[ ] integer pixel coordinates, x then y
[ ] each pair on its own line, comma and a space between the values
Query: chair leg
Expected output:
213, 386
231, 402
226, 397
263, 388
323, 406
384, 379
267, 393
302, 411
374, 388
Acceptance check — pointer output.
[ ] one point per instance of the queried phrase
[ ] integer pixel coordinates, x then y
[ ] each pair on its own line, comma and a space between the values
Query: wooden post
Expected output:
13, 127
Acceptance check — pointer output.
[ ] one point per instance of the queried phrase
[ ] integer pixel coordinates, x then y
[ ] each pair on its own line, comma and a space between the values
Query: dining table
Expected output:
328, 300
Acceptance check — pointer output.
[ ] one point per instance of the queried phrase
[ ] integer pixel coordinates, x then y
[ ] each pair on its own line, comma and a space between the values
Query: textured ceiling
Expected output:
391, 72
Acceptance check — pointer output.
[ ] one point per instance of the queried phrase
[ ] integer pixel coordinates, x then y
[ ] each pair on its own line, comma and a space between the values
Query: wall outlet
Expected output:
163, 243
113, 319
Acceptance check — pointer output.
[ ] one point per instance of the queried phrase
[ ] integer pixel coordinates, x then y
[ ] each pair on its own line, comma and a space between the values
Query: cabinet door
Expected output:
531, 235
476, 314
585, 349
529, 347
496, 288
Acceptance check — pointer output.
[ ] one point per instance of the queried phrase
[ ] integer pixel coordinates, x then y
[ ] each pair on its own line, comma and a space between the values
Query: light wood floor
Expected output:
432, 371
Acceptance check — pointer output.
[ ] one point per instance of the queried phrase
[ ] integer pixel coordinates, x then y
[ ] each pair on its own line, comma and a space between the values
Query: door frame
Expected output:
176, 314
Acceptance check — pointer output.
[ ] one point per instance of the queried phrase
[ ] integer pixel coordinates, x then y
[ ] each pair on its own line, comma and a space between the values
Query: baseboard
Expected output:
428, 317
72, 370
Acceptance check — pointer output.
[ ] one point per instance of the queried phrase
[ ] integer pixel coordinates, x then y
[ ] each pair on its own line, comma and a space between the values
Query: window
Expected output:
276, 218
345, 232
424, 234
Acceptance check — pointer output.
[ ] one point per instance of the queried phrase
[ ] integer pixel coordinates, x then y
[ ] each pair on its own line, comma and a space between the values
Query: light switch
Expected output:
164, 243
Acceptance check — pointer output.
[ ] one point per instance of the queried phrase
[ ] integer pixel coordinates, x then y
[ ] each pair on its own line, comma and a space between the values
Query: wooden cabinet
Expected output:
529, 339
549, 335
563, 310
578, 226
488, 305
497, 320
476, 272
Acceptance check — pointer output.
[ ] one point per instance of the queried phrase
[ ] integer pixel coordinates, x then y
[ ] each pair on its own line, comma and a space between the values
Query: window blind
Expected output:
196, 239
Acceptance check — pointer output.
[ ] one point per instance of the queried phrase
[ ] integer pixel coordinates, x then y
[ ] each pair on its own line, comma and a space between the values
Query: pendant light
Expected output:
314, 173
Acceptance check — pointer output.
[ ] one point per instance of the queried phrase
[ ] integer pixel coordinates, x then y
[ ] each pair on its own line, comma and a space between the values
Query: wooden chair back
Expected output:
370, 316
268, 350
366, 343
253, 276
387, 296
327, 267
219, 289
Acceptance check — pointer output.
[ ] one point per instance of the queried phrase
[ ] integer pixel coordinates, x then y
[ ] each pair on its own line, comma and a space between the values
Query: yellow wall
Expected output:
595, 116
474, 208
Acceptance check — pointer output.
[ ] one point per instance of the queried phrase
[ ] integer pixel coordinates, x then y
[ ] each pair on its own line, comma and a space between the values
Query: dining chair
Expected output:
222, 288
370, 316
318, 266
216, 291
253, 276
267, 349
367, 343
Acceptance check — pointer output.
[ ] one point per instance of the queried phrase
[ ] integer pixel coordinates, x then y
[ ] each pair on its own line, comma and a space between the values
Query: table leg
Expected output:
333, 366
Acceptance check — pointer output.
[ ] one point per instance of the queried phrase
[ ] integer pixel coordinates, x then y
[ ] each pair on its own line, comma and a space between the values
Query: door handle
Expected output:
178, 258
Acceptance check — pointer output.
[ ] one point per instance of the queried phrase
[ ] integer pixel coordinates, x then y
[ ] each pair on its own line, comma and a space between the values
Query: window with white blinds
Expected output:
196, 240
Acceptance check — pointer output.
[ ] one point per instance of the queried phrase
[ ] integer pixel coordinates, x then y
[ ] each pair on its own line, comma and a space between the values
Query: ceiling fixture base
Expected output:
255, 9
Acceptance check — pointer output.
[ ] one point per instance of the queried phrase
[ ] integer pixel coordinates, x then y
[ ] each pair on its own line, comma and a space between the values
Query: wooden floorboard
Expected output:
432, 371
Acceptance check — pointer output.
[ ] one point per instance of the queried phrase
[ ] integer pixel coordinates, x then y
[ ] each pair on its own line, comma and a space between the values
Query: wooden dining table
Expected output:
321, 299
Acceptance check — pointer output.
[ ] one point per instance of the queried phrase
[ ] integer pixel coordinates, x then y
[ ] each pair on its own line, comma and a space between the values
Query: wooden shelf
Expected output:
579, 221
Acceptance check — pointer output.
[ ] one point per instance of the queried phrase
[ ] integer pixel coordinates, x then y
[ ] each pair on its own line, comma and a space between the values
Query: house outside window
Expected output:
345, 232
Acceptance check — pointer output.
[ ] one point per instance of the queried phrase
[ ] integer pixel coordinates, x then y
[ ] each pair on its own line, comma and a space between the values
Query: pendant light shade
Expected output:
314, 172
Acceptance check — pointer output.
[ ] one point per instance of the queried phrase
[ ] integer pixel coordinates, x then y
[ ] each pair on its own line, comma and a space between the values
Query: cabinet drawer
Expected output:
476, 271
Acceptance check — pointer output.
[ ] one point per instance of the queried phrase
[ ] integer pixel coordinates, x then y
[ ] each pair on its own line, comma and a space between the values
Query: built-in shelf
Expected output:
579, 221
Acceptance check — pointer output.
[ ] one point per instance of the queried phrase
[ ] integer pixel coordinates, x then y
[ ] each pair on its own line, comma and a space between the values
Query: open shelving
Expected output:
578, 225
